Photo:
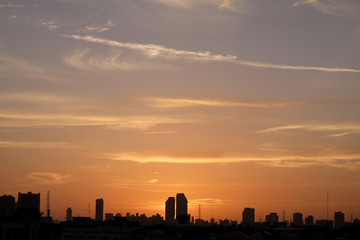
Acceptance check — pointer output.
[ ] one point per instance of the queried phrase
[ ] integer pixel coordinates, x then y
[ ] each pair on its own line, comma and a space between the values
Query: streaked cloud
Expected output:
343, 128
162, 132
182, 102
112, 122
12, 67
33, 97
47, 178
16, 144
83, 59
343, 8
350, 161
157, 51
206, 201
232, 5
12, 5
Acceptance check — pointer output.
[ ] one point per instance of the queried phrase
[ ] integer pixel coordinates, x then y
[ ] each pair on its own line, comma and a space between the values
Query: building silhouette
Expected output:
170, 209
68, 214
248, 216
29, 201
339, 220
7, 205
297, 219
309, 220
109, 216
99, 211
272, 218
181, 205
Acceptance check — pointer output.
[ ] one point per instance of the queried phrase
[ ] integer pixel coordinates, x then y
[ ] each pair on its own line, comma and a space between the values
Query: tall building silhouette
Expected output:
272, 218
29, 201
339, 219
248, 217
170, 209
68, 214
181, 205
7, 205
309, 220
297, 219
99, 213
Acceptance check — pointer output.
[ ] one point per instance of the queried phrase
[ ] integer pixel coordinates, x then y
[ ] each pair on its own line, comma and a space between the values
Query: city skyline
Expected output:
247, 217
236, 103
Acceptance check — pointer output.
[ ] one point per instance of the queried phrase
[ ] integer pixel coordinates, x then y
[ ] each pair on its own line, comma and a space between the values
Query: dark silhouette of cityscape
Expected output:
22, 220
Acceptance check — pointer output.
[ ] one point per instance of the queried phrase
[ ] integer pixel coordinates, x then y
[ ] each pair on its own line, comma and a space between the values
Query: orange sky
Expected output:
234, 103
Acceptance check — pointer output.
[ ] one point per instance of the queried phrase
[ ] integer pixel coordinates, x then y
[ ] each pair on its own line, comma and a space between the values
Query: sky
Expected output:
236, 103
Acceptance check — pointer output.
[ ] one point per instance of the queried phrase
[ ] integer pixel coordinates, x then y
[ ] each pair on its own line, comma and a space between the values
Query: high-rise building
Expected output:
248, 217
170, 209
272, 218
7, 205
297, 219
99, 213
309, 220
109, 216
339, 220
68, 214
29, 200
181, 205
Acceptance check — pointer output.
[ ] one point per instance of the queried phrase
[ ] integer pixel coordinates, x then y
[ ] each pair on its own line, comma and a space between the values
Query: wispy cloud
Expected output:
112, 122
12, 6
33, 97
343, 128
16, 144
157, 51
12, 67
99, 27
206, 201
190, 4
350, 161
343, 8
47, 178
182, 102
82, 59
50, 25
155, 180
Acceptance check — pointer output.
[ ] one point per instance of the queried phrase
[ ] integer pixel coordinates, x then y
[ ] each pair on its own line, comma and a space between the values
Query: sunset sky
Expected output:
236, 103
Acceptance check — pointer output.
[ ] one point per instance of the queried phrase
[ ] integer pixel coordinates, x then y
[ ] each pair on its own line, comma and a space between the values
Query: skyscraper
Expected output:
272, 218
339, 219
181, 205
248, 216
170, 209
29, 201
99, 213
68, 214
309, 220
7, 205
297, 219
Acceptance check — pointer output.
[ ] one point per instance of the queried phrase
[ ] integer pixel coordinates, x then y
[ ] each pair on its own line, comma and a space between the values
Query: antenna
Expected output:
199, 211
327, 205
89, 209
48, 204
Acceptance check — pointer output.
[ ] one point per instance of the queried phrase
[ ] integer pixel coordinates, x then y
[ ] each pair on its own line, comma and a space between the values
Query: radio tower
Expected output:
48, 204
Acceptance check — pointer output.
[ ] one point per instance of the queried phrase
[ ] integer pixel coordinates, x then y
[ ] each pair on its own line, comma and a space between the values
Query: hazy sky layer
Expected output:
236, 103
